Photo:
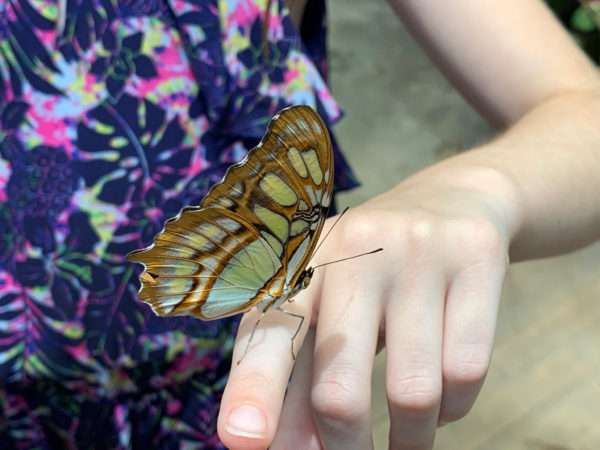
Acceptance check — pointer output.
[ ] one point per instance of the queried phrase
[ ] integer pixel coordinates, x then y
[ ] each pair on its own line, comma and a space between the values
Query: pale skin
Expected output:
448, 232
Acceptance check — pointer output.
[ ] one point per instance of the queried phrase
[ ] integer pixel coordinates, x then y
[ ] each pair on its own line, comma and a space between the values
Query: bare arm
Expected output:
447, 232
520, 68
505, 56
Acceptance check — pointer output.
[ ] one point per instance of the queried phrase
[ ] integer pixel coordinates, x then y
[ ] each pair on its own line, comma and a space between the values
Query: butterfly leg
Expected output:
297, 330
251, 337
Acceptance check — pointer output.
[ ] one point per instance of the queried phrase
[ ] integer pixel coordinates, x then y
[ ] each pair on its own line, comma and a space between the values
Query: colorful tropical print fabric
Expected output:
108, 126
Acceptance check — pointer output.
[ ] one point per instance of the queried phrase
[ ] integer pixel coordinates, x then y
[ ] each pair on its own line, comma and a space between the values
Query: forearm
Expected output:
504, 56
540, 179
552, 156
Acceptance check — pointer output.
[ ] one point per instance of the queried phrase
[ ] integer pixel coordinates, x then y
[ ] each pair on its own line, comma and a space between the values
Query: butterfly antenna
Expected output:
349, 257
327, 234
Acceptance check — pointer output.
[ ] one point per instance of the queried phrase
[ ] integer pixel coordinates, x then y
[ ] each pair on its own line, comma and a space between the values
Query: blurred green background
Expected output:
582, 19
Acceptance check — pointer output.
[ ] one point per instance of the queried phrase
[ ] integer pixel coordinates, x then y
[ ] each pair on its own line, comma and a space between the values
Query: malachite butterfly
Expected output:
249, 241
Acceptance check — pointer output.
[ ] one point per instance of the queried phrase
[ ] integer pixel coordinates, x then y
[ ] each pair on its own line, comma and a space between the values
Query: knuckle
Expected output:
479, 239
467, 371
416, 394
418, 231
356, 230
452, 415
254, 380
341, 400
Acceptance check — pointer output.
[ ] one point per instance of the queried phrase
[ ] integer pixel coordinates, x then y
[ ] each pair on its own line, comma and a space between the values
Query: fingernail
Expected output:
247, 421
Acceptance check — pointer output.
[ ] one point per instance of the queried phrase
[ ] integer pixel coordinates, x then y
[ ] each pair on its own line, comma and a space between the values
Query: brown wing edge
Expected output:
183, 307
297, 109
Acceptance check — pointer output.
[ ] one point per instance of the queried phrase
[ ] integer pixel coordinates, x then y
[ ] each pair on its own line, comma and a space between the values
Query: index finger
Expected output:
254, 394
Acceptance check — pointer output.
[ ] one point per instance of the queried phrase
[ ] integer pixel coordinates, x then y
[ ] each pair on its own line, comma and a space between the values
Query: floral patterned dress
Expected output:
110, 122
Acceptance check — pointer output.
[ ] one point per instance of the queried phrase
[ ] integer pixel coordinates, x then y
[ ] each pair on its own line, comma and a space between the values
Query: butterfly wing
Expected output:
253, 233
284, 187
208, 263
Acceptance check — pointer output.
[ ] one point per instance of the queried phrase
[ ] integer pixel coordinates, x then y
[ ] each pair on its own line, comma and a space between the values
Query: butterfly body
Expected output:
249, 241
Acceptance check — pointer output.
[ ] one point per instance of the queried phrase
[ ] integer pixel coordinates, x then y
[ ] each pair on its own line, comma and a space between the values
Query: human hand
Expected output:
431, 296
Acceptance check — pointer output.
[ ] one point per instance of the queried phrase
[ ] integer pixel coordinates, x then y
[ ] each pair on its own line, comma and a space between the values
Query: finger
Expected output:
346, 339
253, 397
297, 428
414, 319
470, 322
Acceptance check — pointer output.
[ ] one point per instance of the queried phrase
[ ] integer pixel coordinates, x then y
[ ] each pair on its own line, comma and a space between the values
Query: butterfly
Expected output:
249, 241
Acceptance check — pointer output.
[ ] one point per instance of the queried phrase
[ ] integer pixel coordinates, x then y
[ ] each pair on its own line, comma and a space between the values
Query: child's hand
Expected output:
431, 296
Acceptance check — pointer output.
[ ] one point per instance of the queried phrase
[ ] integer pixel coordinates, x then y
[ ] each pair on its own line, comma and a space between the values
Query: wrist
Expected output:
481, 189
